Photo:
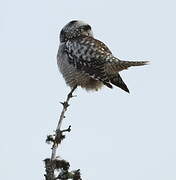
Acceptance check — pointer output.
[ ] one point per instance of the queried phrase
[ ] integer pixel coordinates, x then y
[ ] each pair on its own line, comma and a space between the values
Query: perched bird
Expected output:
87, 62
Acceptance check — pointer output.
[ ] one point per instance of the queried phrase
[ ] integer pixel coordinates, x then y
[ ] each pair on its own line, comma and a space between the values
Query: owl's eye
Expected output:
86, 27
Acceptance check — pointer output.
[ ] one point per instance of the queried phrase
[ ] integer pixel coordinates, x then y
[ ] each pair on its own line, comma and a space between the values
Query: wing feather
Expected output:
89, 55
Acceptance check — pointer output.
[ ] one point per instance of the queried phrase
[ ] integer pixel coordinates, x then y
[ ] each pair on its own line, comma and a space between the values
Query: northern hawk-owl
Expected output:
87, 62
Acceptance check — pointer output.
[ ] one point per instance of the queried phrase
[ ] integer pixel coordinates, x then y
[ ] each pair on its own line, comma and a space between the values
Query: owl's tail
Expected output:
126, 64
117, 66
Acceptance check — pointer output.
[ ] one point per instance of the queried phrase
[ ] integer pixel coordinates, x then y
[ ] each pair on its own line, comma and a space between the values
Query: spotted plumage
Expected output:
87, 62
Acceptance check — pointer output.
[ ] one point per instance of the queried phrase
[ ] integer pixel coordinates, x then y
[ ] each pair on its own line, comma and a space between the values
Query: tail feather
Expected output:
117, 81
126, 64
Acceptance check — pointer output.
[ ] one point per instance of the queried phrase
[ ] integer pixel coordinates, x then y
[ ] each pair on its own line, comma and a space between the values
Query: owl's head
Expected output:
75, 29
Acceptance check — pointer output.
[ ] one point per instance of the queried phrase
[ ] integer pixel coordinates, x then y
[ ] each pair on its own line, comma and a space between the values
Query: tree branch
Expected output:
54, 164
58, 134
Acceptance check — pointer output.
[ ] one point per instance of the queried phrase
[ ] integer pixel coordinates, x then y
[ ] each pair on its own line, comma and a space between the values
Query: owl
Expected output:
87, 62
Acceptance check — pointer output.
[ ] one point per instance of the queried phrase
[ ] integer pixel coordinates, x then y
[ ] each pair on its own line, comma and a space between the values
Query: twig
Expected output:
58, 129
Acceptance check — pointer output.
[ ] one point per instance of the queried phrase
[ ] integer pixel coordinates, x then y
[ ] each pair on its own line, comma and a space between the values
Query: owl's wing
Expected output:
90, 56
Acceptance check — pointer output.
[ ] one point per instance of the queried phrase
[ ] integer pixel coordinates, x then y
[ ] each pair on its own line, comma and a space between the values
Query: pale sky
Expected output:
114, 135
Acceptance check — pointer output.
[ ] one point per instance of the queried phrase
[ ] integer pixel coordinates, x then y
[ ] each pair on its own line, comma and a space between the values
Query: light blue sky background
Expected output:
114, 135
